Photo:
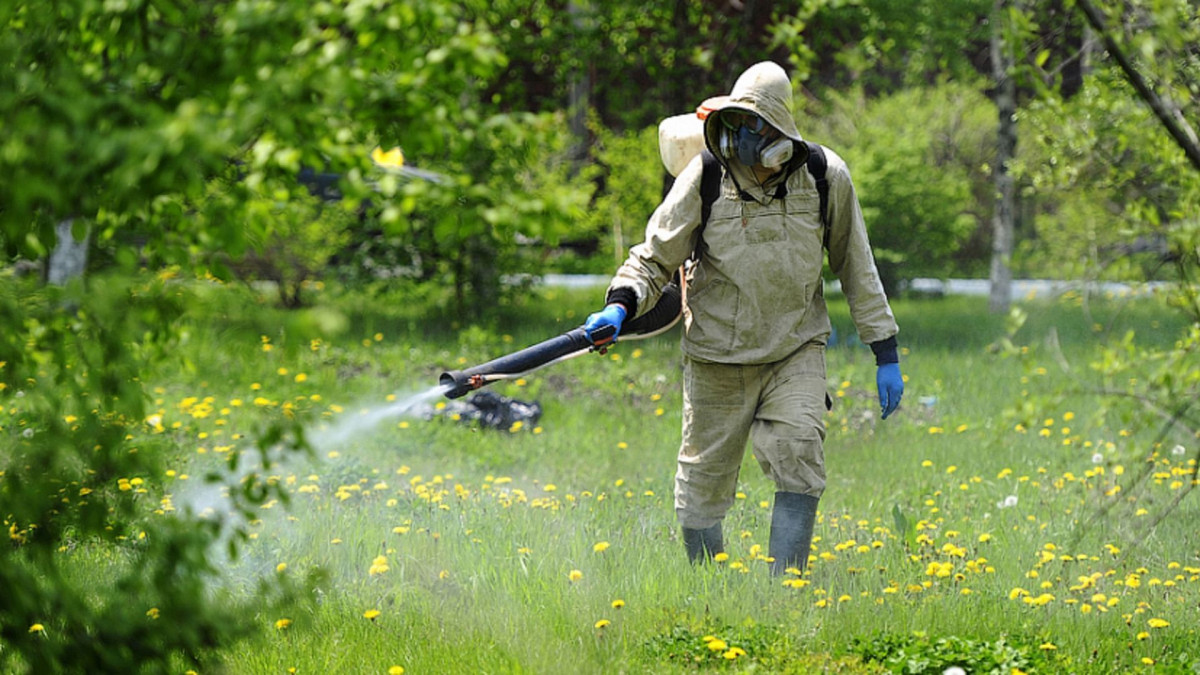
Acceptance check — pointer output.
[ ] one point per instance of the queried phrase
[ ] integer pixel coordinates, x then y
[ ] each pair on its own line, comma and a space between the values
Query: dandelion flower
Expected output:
721, 557
371, 614
282, 624
378, 566
1047, 646
37, 628
618, 603
1158, 623
602, 623
152, 612
717, 645
281, 567
396, 670
732, 653
575, 575
600, 547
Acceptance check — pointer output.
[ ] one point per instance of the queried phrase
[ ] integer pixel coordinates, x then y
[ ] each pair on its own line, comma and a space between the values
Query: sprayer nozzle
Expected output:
457, 383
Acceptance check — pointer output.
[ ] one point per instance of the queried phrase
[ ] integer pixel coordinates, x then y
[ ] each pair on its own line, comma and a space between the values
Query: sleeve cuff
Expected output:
623, 296
886, 351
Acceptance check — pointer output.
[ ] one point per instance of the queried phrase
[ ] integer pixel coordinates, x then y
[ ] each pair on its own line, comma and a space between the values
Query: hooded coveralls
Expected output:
755, 323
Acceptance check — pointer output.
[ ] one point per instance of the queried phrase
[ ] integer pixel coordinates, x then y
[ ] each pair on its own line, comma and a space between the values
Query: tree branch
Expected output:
1183, 136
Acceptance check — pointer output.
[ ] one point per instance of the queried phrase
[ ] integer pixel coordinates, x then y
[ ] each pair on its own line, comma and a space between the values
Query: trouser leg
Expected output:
717, 412
788, 435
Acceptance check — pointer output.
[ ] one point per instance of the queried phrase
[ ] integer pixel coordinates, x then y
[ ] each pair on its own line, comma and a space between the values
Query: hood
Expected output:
765, 90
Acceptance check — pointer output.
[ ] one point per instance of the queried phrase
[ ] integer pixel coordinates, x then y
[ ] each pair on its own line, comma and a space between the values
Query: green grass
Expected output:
481, 530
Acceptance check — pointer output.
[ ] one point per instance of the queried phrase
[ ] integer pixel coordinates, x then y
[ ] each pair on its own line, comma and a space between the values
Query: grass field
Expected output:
996, 522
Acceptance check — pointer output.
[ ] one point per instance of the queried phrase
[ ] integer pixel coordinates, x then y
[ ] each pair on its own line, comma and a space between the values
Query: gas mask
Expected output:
746, 137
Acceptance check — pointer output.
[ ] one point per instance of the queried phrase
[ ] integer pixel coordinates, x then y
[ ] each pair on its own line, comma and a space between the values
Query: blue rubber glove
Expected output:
612, 315
891, 387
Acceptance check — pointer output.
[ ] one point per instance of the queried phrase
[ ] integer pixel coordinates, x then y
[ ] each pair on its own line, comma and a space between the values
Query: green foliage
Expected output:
78, 469
884, 45
297, 240
1110, 189
630, 170
206, 112
747, 647
916, 160
512, 197
920, 654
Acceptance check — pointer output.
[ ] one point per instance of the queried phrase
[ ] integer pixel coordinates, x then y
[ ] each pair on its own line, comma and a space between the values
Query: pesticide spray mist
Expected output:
368, 421
211, 500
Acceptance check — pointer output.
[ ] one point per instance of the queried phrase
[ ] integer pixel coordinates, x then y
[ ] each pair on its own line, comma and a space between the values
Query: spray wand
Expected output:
659, 319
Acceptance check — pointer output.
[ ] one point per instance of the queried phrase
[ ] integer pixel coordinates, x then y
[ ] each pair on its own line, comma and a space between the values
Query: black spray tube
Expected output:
660, 318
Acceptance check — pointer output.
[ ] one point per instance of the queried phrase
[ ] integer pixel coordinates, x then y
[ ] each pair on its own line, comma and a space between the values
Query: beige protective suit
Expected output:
755, 323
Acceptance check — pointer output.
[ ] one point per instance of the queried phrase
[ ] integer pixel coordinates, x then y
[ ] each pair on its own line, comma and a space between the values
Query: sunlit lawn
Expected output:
552, 547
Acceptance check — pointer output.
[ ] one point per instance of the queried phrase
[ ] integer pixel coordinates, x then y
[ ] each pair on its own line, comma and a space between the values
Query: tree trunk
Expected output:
577, 106
1005, 97
68, 260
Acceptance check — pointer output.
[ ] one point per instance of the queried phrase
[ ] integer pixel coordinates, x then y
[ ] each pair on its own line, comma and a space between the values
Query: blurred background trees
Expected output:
171, 133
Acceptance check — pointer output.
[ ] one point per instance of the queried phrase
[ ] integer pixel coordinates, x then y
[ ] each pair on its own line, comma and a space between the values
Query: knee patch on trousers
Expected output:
795, 463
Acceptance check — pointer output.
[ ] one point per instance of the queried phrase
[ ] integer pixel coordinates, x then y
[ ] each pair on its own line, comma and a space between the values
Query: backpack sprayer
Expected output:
574, 342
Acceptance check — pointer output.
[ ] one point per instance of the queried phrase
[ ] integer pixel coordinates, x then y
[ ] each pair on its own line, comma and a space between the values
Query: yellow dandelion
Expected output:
152, 612
732, 653
717, 645
396, 670
371, 614
281, 567
575, 575
378, 566
281, 624
600, 547
1143, 635
721, 557
618, 603
1158, 623
602, 623
1047, 646
37, 628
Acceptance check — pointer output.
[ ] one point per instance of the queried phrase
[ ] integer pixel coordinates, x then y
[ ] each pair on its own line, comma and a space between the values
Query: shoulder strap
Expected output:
816, 165
710, 185
710, 189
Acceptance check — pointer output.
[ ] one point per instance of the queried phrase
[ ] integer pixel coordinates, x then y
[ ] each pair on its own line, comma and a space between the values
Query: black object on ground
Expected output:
493, 411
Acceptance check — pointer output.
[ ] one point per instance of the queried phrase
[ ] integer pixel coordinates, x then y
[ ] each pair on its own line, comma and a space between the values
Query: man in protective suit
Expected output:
755, 323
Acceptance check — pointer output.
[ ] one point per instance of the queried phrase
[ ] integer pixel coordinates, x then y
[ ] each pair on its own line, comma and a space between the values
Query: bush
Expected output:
916, 159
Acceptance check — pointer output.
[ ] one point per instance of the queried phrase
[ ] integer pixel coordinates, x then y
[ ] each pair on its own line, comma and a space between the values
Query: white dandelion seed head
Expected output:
1097, 458
1178, 450
28, 433
20, 394
954, 670
1007, 502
